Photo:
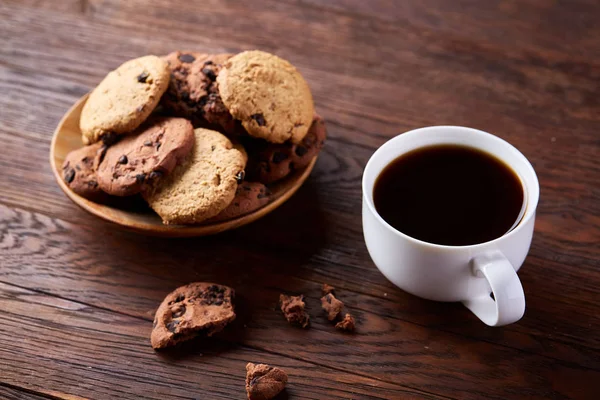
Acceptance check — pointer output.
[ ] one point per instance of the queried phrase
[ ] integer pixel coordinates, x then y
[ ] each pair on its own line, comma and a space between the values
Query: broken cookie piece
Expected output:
347, 324
292, 308
191, 310
264, 382
331, 306
327, 289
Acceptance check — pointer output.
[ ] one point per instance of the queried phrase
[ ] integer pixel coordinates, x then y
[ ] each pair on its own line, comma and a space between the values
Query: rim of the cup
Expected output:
528, 213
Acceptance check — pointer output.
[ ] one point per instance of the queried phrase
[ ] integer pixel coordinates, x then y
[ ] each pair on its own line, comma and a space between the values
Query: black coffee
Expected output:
449, 194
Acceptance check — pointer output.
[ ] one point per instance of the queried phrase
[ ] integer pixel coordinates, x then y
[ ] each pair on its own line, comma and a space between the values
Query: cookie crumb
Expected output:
292, 308
331, 306
347, 324
327, 289
264, 382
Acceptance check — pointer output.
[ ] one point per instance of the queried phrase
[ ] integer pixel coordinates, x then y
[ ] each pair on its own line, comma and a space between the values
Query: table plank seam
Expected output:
29, 391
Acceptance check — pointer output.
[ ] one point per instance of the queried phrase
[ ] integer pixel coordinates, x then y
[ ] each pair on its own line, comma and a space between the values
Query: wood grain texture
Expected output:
526, 71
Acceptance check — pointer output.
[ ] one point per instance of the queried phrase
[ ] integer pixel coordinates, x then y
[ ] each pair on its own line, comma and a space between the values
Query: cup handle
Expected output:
508, 304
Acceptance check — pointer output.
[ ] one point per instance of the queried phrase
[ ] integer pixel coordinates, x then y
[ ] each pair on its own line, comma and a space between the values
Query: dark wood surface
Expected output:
77, 295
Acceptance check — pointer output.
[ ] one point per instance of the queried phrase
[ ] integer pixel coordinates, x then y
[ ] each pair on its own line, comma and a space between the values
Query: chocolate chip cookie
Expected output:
139, 160
292, 308
204, 185
79, 171
270, 162
249, 197
264, 382
268, 95
199, 308
124, 99
192, 91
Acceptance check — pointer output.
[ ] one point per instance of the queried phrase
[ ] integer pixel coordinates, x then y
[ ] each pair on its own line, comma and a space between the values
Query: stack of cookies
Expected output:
200, 137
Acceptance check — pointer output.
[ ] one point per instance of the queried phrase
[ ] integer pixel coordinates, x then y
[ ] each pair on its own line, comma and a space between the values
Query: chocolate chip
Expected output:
148, 143
158, 146
213, 147
261, 196
179, 298
208, 62
219, 302
278, 157
179, 312
186, 58
123, 159
92, 184
247, 188
236, 204
259, 118
292, 167
110, 138
155, 175
141, 78
85, 159
210, 74
171, 326
301, 150
77, 167
139, 178
69, 175
240, 176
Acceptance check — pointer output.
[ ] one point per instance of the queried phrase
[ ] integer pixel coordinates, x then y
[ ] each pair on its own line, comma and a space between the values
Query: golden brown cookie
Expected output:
79, 170
269, 162
197, 308
139, 160
249, 197
124, 99
202, 186
264, 382
268, 95
192, 91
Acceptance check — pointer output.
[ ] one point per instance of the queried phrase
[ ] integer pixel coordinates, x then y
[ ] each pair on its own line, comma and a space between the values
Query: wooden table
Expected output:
77, 295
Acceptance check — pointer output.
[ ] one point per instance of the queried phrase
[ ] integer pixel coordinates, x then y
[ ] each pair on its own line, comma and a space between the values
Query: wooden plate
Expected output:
67, 137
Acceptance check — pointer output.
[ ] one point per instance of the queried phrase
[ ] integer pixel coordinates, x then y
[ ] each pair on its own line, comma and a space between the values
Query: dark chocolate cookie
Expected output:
79, 170
249, 197
264, 382
190, 310
269, 162
292, 308
192, 91
138, 160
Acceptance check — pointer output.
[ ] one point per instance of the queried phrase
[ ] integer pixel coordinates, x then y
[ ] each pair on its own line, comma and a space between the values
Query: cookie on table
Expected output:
79, 170
249, 197
264, 382
139, 160
202, 186
192, 91
292, 308
124, 99
270, 162
192, 309
268, 95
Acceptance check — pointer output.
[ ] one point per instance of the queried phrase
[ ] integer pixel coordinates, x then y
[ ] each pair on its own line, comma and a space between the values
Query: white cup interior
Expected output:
435, 135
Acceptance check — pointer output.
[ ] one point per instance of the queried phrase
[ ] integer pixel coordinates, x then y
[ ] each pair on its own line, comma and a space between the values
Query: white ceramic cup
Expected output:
468, 274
